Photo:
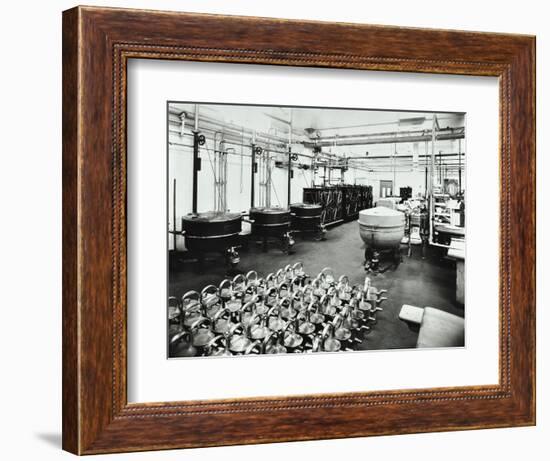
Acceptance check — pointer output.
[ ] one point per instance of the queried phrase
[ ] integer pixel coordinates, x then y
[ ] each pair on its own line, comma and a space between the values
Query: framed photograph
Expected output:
282, 230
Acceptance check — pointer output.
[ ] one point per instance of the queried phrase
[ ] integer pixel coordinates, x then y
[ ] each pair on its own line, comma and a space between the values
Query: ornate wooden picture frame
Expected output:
97, 44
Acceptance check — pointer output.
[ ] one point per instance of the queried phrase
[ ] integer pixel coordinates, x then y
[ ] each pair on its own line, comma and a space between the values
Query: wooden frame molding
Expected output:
97, 44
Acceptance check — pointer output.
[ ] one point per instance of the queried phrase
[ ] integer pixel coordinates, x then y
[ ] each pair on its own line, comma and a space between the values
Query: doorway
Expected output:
386, 189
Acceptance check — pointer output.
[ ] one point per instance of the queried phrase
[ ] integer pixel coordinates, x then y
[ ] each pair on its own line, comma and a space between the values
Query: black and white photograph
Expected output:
275, 230
313, 229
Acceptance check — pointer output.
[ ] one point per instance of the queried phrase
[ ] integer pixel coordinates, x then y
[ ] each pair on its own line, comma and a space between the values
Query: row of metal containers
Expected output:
339, 202
322, 205
222, 232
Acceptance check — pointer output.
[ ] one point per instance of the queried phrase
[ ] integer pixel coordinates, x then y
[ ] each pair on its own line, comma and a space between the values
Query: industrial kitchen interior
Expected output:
309, 229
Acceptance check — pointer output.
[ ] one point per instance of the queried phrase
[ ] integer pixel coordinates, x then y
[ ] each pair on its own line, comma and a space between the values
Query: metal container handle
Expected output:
190, 296
298, 267
252, 278
209, 290
327, 271
239, 279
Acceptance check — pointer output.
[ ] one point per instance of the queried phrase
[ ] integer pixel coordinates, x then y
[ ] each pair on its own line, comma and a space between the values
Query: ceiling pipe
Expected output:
399, 156
363, 125
364, 142
236, 128
390, 133
237, 135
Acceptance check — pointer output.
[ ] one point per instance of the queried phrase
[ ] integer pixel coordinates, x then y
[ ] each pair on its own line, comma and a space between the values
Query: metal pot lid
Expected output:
222, 325
239, 343
306, 328
261, 309
233, 305
288, 313
259, 332
275, 324
269, 210
342, 334
293, 340
365, 306
276, 349
211, 216
332, 345
225, 293
305, 205
380, 211
202, 337
381, 217
329, 310
317, 318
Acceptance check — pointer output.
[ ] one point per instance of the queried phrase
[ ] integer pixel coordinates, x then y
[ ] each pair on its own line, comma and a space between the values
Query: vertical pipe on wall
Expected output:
289, 174
313, 169
459, 166
426, 182
440, 168
196, 159
289, 158
432, 166
267, 166
394, 186
174, 213
252, 167
222, 176
215, 173
242, 161
426, 168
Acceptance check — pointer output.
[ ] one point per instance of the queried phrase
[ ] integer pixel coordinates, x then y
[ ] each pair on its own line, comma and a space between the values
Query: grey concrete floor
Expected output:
428, 282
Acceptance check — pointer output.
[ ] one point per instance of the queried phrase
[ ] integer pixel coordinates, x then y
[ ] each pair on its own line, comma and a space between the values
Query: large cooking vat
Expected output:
211, 231
381, 228
270, 221
306, 217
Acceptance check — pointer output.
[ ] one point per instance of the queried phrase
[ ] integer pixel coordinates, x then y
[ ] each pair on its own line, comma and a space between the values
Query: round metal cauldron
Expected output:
381, 228
270, 222
211, 231
306, 217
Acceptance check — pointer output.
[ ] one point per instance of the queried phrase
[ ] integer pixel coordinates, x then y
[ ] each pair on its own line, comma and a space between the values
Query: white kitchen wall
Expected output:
370, 172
